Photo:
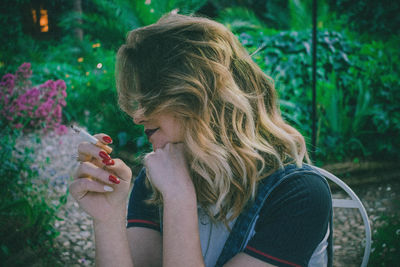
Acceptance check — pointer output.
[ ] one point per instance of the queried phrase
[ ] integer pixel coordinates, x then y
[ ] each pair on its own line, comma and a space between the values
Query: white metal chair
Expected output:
354, 202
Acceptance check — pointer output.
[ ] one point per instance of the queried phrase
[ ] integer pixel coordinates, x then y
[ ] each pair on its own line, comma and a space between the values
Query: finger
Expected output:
120, 169
94, 152
103, 138
86, 169
79, 188
84, 157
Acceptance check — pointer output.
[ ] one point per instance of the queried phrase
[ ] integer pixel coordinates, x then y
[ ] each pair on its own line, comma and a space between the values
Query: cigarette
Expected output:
90, 138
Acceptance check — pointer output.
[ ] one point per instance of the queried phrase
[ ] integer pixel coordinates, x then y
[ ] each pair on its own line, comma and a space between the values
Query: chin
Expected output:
158, 145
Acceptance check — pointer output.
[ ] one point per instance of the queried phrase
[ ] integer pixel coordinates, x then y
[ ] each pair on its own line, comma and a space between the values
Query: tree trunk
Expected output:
78, 11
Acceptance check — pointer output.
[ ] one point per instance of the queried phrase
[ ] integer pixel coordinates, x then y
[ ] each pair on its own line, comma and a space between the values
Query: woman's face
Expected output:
161, 128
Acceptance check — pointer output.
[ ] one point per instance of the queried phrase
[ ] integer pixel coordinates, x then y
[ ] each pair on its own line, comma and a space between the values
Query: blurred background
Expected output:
57, 62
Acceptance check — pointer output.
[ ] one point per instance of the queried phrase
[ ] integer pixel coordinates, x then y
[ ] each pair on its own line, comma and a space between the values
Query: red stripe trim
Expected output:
272, 257
143, 221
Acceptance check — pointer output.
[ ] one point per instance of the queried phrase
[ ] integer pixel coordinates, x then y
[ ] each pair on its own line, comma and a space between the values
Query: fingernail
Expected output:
108, 188
104, 155
107, 139
108, 162
113, 179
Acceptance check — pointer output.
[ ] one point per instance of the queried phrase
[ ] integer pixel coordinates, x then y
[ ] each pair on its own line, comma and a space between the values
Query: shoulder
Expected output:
303, 191
294, 217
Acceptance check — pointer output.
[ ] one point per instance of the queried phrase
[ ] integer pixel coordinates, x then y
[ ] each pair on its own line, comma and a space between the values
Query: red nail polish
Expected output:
113, 179
107, 139
108, 162
104, 155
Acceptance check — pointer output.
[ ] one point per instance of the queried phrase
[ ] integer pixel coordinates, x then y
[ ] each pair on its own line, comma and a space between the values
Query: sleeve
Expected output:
293, 221
141, 214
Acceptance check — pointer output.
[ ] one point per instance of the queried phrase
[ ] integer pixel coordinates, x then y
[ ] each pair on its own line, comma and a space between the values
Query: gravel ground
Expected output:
76, 239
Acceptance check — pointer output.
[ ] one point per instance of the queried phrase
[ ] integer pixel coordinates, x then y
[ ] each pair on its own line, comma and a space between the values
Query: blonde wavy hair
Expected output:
235, 134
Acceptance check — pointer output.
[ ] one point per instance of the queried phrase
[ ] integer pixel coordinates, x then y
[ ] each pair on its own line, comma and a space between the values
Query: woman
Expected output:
225, 184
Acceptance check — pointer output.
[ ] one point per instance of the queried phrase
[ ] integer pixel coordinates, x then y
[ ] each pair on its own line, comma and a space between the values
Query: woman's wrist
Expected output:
183, 193
111, 221
111, 240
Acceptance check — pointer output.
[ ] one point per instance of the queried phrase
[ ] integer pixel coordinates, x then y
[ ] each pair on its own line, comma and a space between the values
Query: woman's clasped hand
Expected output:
168, 171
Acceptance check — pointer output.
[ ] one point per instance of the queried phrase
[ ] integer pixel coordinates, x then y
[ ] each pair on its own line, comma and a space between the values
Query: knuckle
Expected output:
84, 185
82, 146
85, 167
99, 173
77, 186
121, 165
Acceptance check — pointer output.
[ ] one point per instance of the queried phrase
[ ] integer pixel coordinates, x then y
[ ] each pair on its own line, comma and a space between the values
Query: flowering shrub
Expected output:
31, 108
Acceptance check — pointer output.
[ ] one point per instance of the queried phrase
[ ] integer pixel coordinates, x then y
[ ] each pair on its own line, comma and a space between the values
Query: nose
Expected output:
139, 119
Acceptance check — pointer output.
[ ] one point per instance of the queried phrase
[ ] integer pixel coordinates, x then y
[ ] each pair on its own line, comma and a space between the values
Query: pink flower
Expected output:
8, 82
24, 71
62, 129
41, 106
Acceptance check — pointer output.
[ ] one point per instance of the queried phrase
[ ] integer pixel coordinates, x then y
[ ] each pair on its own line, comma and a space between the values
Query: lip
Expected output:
150, 132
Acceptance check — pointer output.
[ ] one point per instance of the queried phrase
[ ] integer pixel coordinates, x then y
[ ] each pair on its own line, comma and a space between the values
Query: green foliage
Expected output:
386, 245
240, 19
300, 14
12, 17
371, 18
351, 77
378, 69
150, 11
107, 21
26, 216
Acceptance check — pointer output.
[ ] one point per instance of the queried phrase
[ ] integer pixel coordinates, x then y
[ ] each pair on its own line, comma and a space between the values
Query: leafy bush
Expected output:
377, 67
354, 84
386, 245
373, 18
31, 108
26, 218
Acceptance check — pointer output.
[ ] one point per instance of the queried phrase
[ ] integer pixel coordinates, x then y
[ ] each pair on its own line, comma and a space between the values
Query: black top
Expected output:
293, 221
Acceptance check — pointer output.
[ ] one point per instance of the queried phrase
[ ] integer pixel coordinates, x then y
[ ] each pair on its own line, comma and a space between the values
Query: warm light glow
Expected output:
96, 45
80, 59
44, 21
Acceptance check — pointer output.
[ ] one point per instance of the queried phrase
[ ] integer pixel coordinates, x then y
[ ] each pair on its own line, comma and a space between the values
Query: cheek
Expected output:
160, 139
176, 135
